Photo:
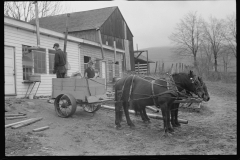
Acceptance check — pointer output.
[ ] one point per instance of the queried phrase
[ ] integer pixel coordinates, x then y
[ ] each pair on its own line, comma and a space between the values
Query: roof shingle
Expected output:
78, 21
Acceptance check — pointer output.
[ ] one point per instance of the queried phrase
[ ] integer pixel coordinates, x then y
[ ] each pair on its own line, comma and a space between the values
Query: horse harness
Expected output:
153, 94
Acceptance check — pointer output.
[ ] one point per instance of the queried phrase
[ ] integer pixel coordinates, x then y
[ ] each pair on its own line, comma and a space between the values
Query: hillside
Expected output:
166, 55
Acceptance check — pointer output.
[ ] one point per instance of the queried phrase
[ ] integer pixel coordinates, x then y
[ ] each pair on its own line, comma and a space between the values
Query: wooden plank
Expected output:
26, 123
12, 115
81, 82
17, 117
140, 65
100, 90
12, 124
92, 91
92, 99
57, 81
57, 88
68, 88
80, 88
40, 129
68, 82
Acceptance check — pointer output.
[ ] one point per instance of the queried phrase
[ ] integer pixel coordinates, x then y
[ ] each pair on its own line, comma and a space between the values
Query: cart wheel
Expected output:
91, 108
65, 105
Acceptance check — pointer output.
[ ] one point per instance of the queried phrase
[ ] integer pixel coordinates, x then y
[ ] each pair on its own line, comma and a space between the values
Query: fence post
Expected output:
138, 67
159, 67
176, 69
171, 69
156, 66
163, 67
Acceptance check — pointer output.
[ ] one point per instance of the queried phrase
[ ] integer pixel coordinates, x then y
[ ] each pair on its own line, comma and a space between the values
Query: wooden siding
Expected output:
91, 35
95, 52
113, 26
17, 37
131, 50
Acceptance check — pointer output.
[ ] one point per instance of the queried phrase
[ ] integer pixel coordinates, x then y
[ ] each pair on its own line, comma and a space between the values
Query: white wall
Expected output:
17, 37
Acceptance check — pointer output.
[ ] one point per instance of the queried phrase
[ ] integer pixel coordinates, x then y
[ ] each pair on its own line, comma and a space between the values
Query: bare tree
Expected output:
25, 10
187, 36
231, 33
226, 55
206, 55
214, 35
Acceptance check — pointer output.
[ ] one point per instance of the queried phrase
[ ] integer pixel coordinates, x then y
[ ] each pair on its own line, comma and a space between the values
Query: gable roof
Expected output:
78, 21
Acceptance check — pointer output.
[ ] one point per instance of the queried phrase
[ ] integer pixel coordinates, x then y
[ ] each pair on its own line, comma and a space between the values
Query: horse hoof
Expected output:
118, 127
178, 125
169, 130
132, 126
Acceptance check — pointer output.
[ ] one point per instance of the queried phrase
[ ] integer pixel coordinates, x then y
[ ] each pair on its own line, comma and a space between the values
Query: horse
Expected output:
158, 92
182, 83
185, 81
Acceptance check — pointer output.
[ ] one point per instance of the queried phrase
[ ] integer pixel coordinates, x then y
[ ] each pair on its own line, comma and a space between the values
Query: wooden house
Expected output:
105, 25
20, 62
82, 44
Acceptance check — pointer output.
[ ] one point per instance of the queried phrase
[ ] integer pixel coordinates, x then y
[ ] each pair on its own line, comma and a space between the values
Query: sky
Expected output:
152, 22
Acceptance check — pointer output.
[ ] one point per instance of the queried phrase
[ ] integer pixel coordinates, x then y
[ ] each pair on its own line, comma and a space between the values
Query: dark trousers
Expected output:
61, 71
60, 75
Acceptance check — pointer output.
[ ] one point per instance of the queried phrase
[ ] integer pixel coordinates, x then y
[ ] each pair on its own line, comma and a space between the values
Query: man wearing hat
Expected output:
89, 72
59, 62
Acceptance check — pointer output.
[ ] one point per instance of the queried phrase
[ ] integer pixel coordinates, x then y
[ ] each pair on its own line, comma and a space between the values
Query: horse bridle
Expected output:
196, 83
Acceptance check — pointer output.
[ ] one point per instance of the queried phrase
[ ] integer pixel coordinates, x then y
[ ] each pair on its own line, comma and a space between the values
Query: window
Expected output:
51, 56
117, 73
27, 62
39, 60
86, 60
97, 66
110, 71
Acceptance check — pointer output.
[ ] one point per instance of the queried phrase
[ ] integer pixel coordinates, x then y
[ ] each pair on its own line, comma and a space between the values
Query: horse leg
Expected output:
173, 115
145, 115
163, 109
176, 106
168, 125
118, 107
142, 116
125, 108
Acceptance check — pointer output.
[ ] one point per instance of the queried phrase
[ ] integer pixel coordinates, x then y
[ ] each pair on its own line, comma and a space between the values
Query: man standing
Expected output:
89, 72
59, 62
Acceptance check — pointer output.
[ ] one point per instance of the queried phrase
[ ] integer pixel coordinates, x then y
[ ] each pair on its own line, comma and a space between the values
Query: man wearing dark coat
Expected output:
59, 62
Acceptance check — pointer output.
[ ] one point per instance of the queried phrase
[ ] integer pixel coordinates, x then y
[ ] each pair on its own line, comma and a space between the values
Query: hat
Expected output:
56, 44
90, 62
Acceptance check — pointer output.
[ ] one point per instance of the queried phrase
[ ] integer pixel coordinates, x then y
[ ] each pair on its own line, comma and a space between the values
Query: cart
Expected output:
72, 92
90, 94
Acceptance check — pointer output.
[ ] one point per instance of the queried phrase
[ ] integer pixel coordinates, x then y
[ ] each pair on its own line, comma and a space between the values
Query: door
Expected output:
9, 66
104, 71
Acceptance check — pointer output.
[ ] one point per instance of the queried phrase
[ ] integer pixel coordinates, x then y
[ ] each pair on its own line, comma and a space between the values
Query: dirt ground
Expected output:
210, 130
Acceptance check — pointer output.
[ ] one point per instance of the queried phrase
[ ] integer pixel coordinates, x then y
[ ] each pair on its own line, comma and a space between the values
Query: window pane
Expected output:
39, 64
35, 70
43, 64
43, 56
35, 56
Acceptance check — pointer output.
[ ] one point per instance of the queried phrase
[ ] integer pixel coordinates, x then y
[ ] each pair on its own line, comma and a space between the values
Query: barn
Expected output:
21, 62
105, 25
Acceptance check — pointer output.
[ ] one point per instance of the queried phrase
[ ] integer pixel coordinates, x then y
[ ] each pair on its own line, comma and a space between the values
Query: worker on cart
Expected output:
89, 72
59, 62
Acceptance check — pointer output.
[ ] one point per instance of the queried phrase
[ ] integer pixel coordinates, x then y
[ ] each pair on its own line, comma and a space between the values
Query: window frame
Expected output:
51, 53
